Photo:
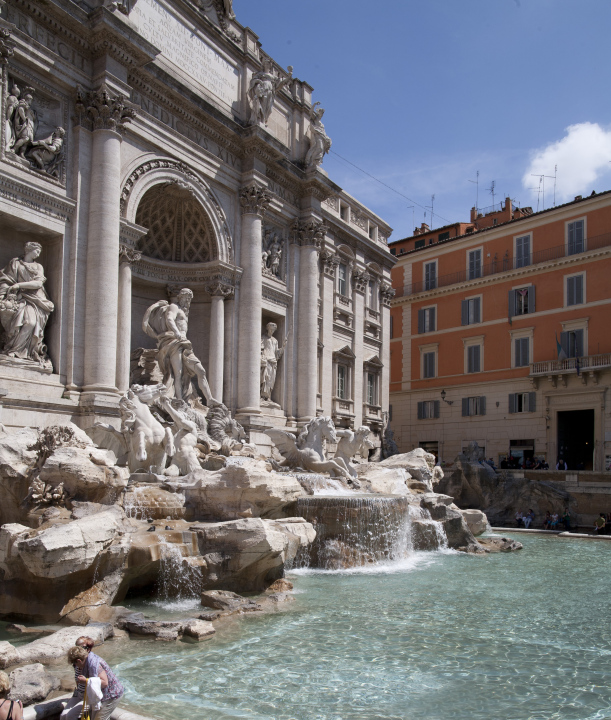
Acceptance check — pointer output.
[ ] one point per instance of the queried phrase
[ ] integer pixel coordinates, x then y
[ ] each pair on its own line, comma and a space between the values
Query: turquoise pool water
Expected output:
515, 636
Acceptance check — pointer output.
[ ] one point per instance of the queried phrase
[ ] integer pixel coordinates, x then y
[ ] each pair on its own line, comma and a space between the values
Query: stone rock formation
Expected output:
418, 463
476, 520
499, 496
238, 489
32, 683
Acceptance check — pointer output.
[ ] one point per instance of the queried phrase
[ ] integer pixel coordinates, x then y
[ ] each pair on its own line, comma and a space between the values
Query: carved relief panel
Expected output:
33, 131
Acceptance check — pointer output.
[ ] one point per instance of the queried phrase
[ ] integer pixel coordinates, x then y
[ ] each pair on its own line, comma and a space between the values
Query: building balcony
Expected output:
343, 410
585, 367
505, 264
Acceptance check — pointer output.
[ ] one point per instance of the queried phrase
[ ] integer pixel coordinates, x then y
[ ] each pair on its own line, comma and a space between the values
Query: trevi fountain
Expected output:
197, 468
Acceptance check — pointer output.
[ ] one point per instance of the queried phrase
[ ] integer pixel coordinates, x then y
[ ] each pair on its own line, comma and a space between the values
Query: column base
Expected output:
248, 411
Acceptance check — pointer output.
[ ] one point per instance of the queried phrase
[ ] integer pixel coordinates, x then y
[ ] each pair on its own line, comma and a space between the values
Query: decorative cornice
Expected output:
277, 296
7, 45
360, 278
35, 199
183, 274
98, 110
129, 255
218, 288
387, 292
254, 199
308, 232
330, 261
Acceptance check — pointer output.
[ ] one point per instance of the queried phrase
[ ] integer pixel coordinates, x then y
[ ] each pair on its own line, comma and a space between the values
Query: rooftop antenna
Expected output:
538, 189
432, 205
555, 175
476, 183
491, 191
542, 183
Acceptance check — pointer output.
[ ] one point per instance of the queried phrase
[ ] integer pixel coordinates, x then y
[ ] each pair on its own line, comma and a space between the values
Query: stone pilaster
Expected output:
386, 295
127, 256
254, 200
105, 116
216, 358
308, 234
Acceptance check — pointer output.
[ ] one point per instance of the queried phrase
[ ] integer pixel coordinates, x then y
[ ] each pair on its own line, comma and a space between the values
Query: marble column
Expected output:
308, 235
127, 256
216, 358
254, 200
105, 116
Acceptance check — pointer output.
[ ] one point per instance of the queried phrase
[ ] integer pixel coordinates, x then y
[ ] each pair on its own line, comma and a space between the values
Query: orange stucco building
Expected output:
501, 335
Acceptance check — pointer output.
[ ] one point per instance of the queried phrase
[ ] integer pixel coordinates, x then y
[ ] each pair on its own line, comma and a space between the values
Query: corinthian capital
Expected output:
98, 110
218, 288
129, 255
254, 199
6, 45
309, 232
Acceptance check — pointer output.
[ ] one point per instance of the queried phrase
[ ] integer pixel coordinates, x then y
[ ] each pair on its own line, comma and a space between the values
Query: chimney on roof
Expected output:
424, 228
508, 205
473, 214
578, 197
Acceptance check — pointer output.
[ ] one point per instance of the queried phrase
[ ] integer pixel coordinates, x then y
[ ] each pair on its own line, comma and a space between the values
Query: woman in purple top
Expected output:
87, 665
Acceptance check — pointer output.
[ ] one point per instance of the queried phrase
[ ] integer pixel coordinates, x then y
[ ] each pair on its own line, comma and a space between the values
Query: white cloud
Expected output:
583, 156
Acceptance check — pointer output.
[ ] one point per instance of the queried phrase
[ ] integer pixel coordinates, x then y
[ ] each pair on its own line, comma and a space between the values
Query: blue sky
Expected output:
424, 94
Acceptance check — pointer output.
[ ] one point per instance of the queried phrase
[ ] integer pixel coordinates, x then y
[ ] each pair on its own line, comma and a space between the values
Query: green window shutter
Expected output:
436, 409
482, 405
465, 407
512, 403
532, 401
420, 410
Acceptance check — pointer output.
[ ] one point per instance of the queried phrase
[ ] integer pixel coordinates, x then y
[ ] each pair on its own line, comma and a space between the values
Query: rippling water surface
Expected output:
515, 636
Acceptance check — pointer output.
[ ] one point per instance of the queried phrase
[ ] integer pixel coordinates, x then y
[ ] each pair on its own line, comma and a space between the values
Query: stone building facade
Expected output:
500, 336
150, 146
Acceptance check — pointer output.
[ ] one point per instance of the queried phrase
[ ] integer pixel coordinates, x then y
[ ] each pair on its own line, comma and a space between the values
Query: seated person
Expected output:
566, 519
519, 519
530, 516
554, 523
548, 521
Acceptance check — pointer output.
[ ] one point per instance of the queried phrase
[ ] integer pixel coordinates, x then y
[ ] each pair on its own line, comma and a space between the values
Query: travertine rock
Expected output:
17, 461
235, 489
247, 554
165, 630
476, 520
383, 480
418, 463
473, 485
228, 602
32, 683
88, 474
198, 629
151, 501
67, 549
53, 647
456, 529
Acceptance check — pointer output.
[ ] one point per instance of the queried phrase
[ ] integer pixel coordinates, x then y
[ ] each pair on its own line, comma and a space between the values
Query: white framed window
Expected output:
474, 354
574, 289
521, 301
472, 406
474, 263
525, 402
428, 409
430, 275
342, 382
574, 339
342, 279
372, 295
522, 250
471, 311
372, 388
575, 236
521, 347
427, 319
428, 360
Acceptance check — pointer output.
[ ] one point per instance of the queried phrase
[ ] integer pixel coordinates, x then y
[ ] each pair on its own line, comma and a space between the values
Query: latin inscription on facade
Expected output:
190, 132
190, 55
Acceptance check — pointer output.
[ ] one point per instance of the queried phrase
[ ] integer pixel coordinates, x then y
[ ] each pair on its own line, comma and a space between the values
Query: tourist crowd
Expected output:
553, 521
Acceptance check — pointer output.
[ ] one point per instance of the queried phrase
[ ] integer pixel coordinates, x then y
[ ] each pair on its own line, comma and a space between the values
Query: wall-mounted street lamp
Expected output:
443, 397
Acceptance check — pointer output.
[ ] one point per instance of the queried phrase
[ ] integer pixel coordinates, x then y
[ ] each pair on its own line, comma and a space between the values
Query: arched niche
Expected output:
153, 172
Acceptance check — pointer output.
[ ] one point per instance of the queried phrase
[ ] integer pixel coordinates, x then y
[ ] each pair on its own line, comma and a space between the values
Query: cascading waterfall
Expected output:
178, 579
360, 530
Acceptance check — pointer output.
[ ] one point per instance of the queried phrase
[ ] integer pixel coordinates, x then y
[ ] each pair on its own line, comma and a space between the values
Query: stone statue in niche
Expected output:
271, 256
167, 323
320, 142
270, 354
264, 86
21, 123
350, 444
25, 308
